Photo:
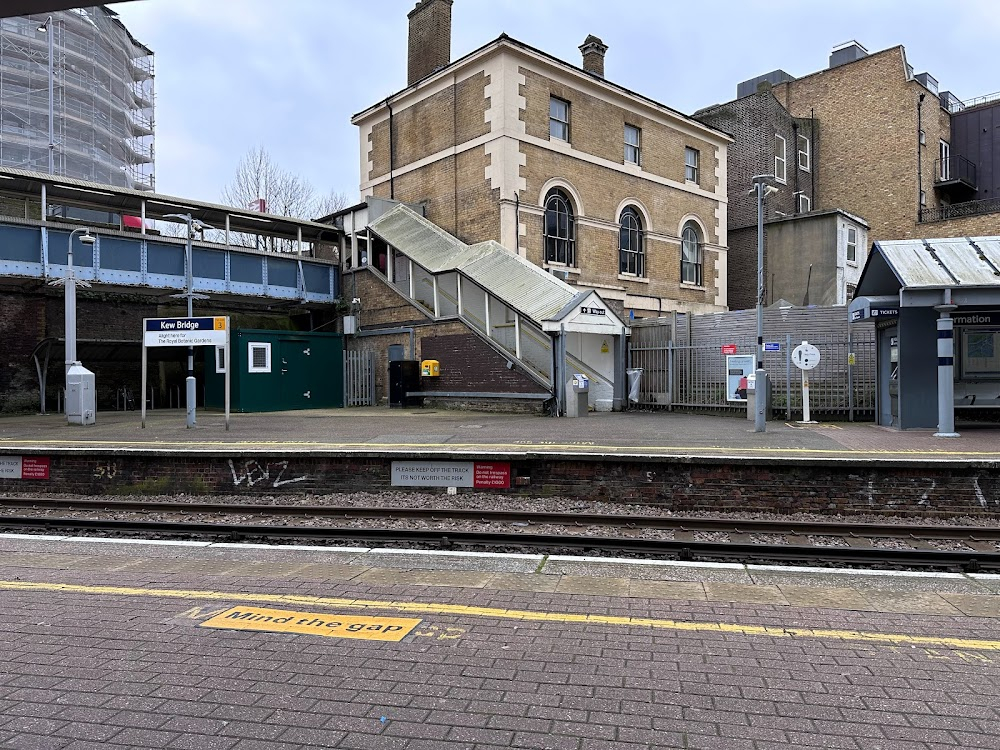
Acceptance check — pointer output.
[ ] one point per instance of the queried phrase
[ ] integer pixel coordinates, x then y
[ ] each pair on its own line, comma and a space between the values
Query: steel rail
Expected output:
675, 523
969, 560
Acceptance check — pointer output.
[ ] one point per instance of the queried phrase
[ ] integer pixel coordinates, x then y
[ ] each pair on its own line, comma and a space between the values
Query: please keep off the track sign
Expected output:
481, 474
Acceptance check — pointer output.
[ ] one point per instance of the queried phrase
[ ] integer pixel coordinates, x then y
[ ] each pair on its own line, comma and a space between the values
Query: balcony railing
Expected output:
959, 210
955, 169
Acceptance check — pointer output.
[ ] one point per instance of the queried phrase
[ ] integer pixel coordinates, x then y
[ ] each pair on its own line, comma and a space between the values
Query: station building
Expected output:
521, 172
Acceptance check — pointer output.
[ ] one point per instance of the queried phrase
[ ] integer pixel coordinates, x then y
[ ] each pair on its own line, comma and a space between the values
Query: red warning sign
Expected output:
492, 475
34, 467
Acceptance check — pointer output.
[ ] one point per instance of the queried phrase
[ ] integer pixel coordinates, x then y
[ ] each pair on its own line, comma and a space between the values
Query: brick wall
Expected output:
470, 364
429, 42
754, 121
680, 485
22, 326
868, 152
597, 127
461, 192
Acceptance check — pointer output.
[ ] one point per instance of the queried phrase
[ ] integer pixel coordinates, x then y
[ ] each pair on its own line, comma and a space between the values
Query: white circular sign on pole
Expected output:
805, 356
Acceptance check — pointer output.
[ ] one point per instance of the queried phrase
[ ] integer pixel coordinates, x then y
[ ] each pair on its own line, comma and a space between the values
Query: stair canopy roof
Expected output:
924, 272
518, 283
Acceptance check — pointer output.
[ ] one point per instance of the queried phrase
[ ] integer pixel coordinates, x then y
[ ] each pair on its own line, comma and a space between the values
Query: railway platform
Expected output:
119, 643
126, 644
375, 429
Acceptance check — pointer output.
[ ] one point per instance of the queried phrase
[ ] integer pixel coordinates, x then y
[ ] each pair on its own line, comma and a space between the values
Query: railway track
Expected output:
684, 538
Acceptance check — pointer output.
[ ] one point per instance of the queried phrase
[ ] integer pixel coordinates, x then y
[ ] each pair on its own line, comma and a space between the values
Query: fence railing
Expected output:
695, 377
359, 378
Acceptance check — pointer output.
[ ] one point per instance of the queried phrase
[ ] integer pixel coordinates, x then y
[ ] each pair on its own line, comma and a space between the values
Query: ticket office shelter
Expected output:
936, 308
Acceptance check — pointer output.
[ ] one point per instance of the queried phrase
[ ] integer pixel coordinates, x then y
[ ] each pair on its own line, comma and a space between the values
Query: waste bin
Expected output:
634, 381
404, 376
577, 396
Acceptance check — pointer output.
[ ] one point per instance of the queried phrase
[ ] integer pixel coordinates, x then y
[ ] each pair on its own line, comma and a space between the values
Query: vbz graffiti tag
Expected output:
253, 472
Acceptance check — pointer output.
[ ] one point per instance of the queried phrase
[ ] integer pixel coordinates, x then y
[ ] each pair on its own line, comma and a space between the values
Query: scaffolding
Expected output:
103, 98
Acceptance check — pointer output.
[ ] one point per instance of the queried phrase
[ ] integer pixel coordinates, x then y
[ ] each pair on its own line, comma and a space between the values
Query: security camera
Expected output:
356, 301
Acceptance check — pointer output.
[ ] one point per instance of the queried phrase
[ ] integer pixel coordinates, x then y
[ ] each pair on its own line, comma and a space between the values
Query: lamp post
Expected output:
189, 294
47, 28
79, 382
762, 190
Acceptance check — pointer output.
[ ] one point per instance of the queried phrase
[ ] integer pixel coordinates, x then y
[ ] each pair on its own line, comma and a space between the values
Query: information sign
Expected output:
24, 467
185, 331
805, 356
738, 369
479, 474
772, 346
729, 348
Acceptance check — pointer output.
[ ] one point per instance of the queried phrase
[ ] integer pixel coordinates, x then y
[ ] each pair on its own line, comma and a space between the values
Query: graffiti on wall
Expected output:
254, 472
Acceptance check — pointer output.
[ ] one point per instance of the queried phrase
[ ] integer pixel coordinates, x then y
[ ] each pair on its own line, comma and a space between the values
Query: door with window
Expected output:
294, 361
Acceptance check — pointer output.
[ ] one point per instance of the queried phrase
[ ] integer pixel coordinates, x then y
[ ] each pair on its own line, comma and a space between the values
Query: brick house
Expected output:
883, 132
597, 184
865, 137
811, 256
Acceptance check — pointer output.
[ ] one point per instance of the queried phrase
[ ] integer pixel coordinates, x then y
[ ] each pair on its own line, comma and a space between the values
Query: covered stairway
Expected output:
537, 321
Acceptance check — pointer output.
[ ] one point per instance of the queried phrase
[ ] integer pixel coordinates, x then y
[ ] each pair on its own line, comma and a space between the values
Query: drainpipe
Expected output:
812, 159
392, 153
796, 192
394, 331
920, 175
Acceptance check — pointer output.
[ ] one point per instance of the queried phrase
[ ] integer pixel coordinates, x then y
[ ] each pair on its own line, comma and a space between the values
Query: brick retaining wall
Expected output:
682, 485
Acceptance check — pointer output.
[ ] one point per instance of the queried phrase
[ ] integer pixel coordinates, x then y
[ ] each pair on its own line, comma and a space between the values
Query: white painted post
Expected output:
805, 396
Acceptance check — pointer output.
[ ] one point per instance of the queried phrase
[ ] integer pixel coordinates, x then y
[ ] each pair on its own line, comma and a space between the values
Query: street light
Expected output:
47, 29
84, 406
762, 190
189, 294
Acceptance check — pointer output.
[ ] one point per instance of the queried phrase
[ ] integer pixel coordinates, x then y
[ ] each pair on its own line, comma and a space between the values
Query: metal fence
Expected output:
359, 378
694, 376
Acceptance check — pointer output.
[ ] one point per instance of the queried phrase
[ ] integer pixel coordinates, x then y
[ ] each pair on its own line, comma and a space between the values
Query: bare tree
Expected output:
259, 177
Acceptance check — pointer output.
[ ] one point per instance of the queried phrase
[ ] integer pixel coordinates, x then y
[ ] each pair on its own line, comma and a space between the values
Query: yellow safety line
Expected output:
516, 614
642, 449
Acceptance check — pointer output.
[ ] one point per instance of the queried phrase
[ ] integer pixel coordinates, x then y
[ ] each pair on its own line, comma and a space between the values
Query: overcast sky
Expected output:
288, 74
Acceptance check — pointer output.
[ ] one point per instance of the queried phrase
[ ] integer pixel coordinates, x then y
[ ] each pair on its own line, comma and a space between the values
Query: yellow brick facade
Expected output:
472, 145
867, 153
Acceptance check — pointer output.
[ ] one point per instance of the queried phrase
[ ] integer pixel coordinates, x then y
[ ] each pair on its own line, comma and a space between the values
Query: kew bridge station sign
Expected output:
187, 332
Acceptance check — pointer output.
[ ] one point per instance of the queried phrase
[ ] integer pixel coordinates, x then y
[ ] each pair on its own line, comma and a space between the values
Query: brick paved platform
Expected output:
380, 430
102, 647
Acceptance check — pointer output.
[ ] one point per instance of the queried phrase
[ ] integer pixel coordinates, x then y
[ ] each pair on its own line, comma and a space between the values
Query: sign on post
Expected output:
186, 332
806, 357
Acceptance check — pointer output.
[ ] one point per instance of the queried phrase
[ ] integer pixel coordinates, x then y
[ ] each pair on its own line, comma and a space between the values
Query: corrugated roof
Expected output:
945, 262
520, 284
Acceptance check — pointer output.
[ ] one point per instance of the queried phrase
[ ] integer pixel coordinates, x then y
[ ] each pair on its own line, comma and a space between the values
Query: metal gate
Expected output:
359, 378
693, 376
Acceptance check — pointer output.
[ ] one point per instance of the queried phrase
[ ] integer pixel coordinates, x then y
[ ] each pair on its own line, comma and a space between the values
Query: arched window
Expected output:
631, 248
560, 229
691, 260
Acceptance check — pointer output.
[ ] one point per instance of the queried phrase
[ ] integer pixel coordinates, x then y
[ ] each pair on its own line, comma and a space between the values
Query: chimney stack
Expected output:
429, 39
593, 50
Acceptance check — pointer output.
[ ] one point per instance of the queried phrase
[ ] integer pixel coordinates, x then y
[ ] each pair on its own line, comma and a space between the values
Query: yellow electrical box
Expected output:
430, 368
